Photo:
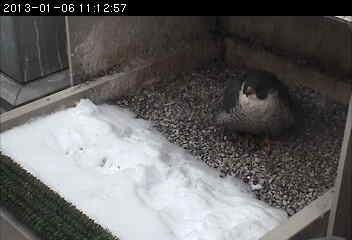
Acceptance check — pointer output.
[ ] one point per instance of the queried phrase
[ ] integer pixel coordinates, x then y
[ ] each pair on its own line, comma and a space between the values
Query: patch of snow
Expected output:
125, 175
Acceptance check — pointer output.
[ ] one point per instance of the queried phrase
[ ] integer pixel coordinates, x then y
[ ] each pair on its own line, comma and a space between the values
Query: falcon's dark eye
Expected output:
262, 94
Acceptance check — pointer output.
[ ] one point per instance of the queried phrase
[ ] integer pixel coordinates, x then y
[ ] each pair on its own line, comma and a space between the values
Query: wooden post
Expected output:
340, 223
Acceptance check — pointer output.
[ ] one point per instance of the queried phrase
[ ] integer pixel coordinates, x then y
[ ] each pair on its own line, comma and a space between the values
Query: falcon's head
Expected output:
259, 84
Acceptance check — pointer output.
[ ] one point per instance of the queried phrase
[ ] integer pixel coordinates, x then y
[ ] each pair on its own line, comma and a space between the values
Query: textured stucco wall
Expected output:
101, 42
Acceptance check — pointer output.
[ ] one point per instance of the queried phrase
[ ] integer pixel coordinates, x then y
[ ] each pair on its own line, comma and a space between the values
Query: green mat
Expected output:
42, 210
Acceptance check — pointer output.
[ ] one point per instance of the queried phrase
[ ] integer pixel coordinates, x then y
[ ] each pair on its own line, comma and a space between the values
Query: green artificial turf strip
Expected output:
42, 210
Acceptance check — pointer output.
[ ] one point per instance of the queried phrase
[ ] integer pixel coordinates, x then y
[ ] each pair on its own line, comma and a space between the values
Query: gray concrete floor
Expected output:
13, 94
11, 229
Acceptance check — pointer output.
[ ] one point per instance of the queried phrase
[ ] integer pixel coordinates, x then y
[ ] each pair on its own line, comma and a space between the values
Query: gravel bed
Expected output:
301, 164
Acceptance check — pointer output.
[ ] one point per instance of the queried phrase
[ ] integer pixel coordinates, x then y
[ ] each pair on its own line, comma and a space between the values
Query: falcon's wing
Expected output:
284, 94
233, 87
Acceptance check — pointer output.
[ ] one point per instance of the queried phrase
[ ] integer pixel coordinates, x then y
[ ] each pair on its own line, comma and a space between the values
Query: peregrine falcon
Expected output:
258, 103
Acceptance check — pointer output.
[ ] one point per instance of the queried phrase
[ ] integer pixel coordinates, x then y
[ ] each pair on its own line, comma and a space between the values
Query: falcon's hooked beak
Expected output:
249, 91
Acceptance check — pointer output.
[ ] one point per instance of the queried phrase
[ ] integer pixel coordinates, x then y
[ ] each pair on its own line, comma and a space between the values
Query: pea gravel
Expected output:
301, 164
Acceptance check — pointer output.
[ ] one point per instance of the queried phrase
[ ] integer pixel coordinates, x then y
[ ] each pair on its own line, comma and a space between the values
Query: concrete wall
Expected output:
312, 51
99, 43
325, 43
